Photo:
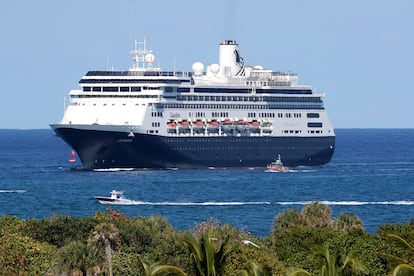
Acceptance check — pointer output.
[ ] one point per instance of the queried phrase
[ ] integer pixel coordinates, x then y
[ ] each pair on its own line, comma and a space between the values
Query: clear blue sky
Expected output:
360, 53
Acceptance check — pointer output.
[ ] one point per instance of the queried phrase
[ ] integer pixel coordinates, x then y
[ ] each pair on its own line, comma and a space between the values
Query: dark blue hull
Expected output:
104, 149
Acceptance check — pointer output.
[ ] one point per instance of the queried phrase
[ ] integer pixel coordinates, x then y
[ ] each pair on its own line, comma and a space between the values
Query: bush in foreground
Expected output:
144, 245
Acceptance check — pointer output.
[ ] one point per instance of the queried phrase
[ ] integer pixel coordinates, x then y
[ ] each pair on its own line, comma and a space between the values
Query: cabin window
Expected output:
314, 124
312, 115
110, 89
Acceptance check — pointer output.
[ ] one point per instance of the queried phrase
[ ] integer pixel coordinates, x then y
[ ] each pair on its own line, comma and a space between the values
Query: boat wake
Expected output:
348, 203
207, 203
114, 170
13, 191
239, 203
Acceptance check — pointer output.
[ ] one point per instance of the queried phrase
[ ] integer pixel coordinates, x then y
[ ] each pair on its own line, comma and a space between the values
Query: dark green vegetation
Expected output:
306, 242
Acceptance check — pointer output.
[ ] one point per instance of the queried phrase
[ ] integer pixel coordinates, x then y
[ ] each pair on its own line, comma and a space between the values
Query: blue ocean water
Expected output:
371, 175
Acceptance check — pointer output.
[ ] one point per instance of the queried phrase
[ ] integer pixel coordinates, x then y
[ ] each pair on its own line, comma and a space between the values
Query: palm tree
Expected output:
347, 222
162, 270
332, 266
208, 261
405, 264
316, 214
288, 219
298, 272
106, 236
78, 255
252, 269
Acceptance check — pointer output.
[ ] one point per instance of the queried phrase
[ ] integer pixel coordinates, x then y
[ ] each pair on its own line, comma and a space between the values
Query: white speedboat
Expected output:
116, 197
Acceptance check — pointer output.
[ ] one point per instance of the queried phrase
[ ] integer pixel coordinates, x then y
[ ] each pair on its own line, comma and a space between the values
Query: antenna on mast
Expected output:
143, 58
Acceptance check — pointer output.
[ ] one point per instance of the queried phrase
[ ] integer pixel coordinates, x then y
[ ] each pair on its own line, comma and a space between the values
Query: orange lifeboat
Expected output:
184, 126
171, 124
198, 126
213, 126
241, 124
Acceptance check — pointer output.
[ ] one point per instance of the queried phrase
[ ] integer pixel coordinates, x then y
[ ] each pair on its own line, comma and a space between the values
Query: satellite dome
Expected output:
214, 68
258, 67
149, 58
198, 68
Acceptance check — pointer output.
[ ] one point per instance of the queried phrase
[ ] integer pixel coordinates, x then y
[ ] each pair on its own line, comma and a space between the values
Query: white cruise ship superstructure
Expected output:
227, 114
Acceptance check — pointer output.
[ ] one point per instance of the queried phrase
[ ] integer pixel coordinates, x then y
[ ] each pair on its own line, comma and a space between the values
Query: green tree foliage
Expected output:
157, 269
59, 230
403, 270
245, 251
361, 246
294, 247
252, 269
49, 246
288, 219
144, 234
333, 264
208, 253
106, 236
21, 255
78, 255
347, 222
297, 272
11, 225
316, 214
404, 263
171, 250
127, 263
206, 226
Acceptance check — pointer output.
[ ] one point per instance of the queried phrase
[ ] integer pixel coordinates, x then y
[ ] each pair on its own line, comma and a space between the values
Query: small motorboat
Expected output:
116, 197
277, 166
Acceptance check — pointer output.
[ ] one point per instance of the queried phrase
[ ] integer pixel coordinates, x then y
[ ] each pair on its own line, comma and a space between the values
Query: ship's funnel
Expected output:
231, 63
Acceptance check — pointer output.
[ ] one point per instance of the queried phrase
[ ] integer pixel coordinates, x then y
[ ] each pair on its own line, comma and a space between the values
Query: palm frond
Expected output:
401, 240
403, 270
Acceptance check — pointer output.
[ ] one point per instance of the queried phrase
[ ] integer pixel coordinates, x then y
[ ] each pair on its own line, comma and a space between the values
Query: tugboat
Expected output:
277, 166
116, 197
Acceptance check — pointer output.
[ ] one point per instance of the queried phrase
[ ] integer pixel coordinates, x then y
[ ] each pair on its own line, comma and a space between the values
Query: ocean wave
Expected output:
13, 191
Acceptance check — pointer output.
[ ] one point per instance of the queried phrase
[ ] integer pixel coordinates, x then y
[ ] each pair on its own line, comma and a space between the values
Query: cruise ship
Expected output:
227, 114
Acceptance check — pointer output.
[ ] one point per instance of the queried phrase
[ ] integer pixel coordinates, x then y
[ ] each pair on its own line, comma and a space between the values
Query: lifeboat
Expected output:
254, 126
184, 126
241, 125
227, 125
267, 127
212, 126
172, 126
198, 126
